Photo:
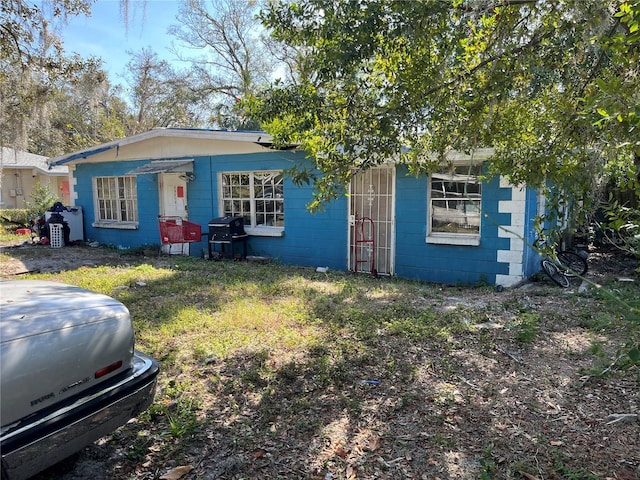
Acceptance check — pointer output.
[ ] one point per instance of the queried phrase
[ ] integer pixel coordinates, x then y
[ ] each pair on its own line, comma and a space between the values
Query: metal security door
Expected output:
372, 199
173, 203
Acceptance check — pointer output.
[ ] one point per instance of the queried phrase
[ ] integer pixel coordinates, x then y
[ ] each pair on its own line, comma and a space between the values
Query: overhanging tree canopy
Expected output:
551, 85
35, 72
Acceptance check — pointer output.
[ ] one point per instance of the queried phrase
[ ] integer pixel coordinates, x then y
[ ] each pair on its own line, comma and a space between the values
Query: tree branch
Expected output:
504, 3
487, 61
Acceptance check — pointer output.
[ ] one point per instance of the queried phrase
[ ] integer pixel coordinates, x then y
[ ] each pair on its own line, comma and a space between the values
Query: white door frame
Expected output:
172, 192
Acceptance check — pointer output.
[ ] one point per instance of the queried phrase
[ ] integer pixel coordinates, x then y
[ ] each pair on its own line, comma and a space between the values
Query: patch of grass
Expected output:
596, 349
399, 368
570, 473
9, 236
182, 418
270, 359
444, 367
139, 447
415, 328
596, 321
486, 341
622, 301
176, 410
526, 327
487, 465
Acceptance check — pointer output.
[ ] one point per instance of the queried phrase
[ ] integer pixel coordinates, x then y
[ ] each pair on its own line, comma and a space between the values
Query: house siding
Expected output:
147, 232
21, 172
309, 239
503, 256
417, 259
531, 258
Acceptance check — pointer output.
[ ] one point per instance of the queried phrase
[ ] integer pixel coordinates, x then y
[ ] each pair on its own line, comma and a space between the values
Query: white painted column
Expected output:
515, 233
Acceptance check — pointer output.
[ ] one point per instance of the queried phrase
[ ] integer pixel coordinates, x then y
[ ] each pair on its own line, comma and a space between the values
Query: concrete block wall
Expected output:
515, 233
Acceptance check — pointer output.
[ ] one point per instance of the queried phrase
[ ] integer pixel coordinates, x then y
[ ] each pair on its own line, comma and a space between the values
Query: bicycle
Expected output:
563, 266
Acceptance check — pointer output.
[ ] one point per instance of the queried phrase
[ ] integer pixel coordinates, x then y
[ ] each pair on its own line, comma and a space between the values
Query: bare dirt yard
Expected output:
565, 406
23, 257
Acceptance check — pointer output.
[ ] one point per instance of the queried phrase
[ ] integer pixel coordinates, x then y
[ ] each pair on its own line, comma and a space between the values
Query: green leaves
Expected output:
624, 216
634, 354
550, 86
629, 14
42, 199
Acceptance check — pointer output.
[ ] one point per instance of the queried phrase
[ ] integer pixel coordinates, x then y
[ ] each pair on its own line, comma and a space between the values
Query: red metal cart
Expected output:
177, 230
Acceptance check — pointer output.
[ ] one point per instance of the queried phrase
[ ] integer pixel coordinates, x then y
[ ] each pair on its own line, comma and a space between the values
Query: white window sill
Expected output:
265, 231
453, 239
116, 225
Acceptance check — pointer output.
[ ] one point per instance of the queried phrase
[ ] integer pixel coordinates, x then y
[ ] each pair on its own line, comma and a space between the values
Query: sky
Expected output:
105, 35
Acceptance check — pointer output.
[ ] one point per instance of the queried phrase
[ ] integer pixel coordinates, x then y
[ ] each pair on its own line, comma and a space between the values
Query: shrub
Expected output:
43, 198
12, 218
625, 221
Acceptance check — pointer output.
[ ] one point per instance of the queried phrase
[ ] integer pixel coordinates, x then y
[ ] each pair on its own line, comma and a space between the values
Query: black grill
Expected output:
225, 229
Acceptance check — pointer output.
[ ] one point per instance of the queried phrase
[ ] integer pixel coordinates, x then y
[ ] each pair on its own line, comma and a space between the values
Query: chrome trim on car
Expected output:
40, 443
136, 373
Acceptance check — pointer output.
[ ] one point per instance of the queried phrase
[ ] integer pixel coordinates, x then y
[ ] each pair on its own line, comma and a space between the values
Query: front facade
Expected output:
448, 227
22, 171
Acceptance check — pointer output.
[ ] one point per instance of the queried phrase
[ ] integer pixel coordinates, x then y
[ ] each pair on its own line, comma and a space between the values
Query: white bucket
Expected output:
56, 235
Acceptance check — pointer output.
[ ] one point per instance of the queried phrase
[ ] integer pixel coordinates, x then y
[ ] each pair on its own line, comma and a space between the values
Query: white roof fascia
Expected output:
227, 135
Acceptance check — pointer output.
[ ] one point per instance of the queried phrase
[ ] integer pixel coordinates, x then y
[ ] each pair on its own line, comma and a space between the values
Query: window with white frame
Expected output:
455, 197
116, 201
258, 197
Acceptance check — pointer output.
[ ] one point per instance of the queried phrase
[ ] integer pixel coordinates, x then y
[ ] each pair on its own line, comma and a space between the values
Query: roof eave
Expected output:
260, 138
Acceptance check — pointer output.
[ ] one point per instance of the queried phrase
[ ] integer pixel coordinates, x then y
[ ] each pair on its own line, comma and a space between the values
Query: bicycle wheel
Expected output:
573, 264
554, 273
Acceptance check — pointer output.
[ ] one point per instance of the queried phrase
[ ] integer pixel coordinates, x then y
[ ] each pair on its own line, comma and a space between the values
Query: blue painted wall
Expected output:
317, 239
531, 256
310, 240
147, 185
415, 258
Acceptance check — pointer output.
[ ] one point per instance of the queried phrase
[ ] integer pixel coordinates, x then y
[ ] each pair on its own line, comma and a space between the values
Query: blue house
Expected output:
448, 227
